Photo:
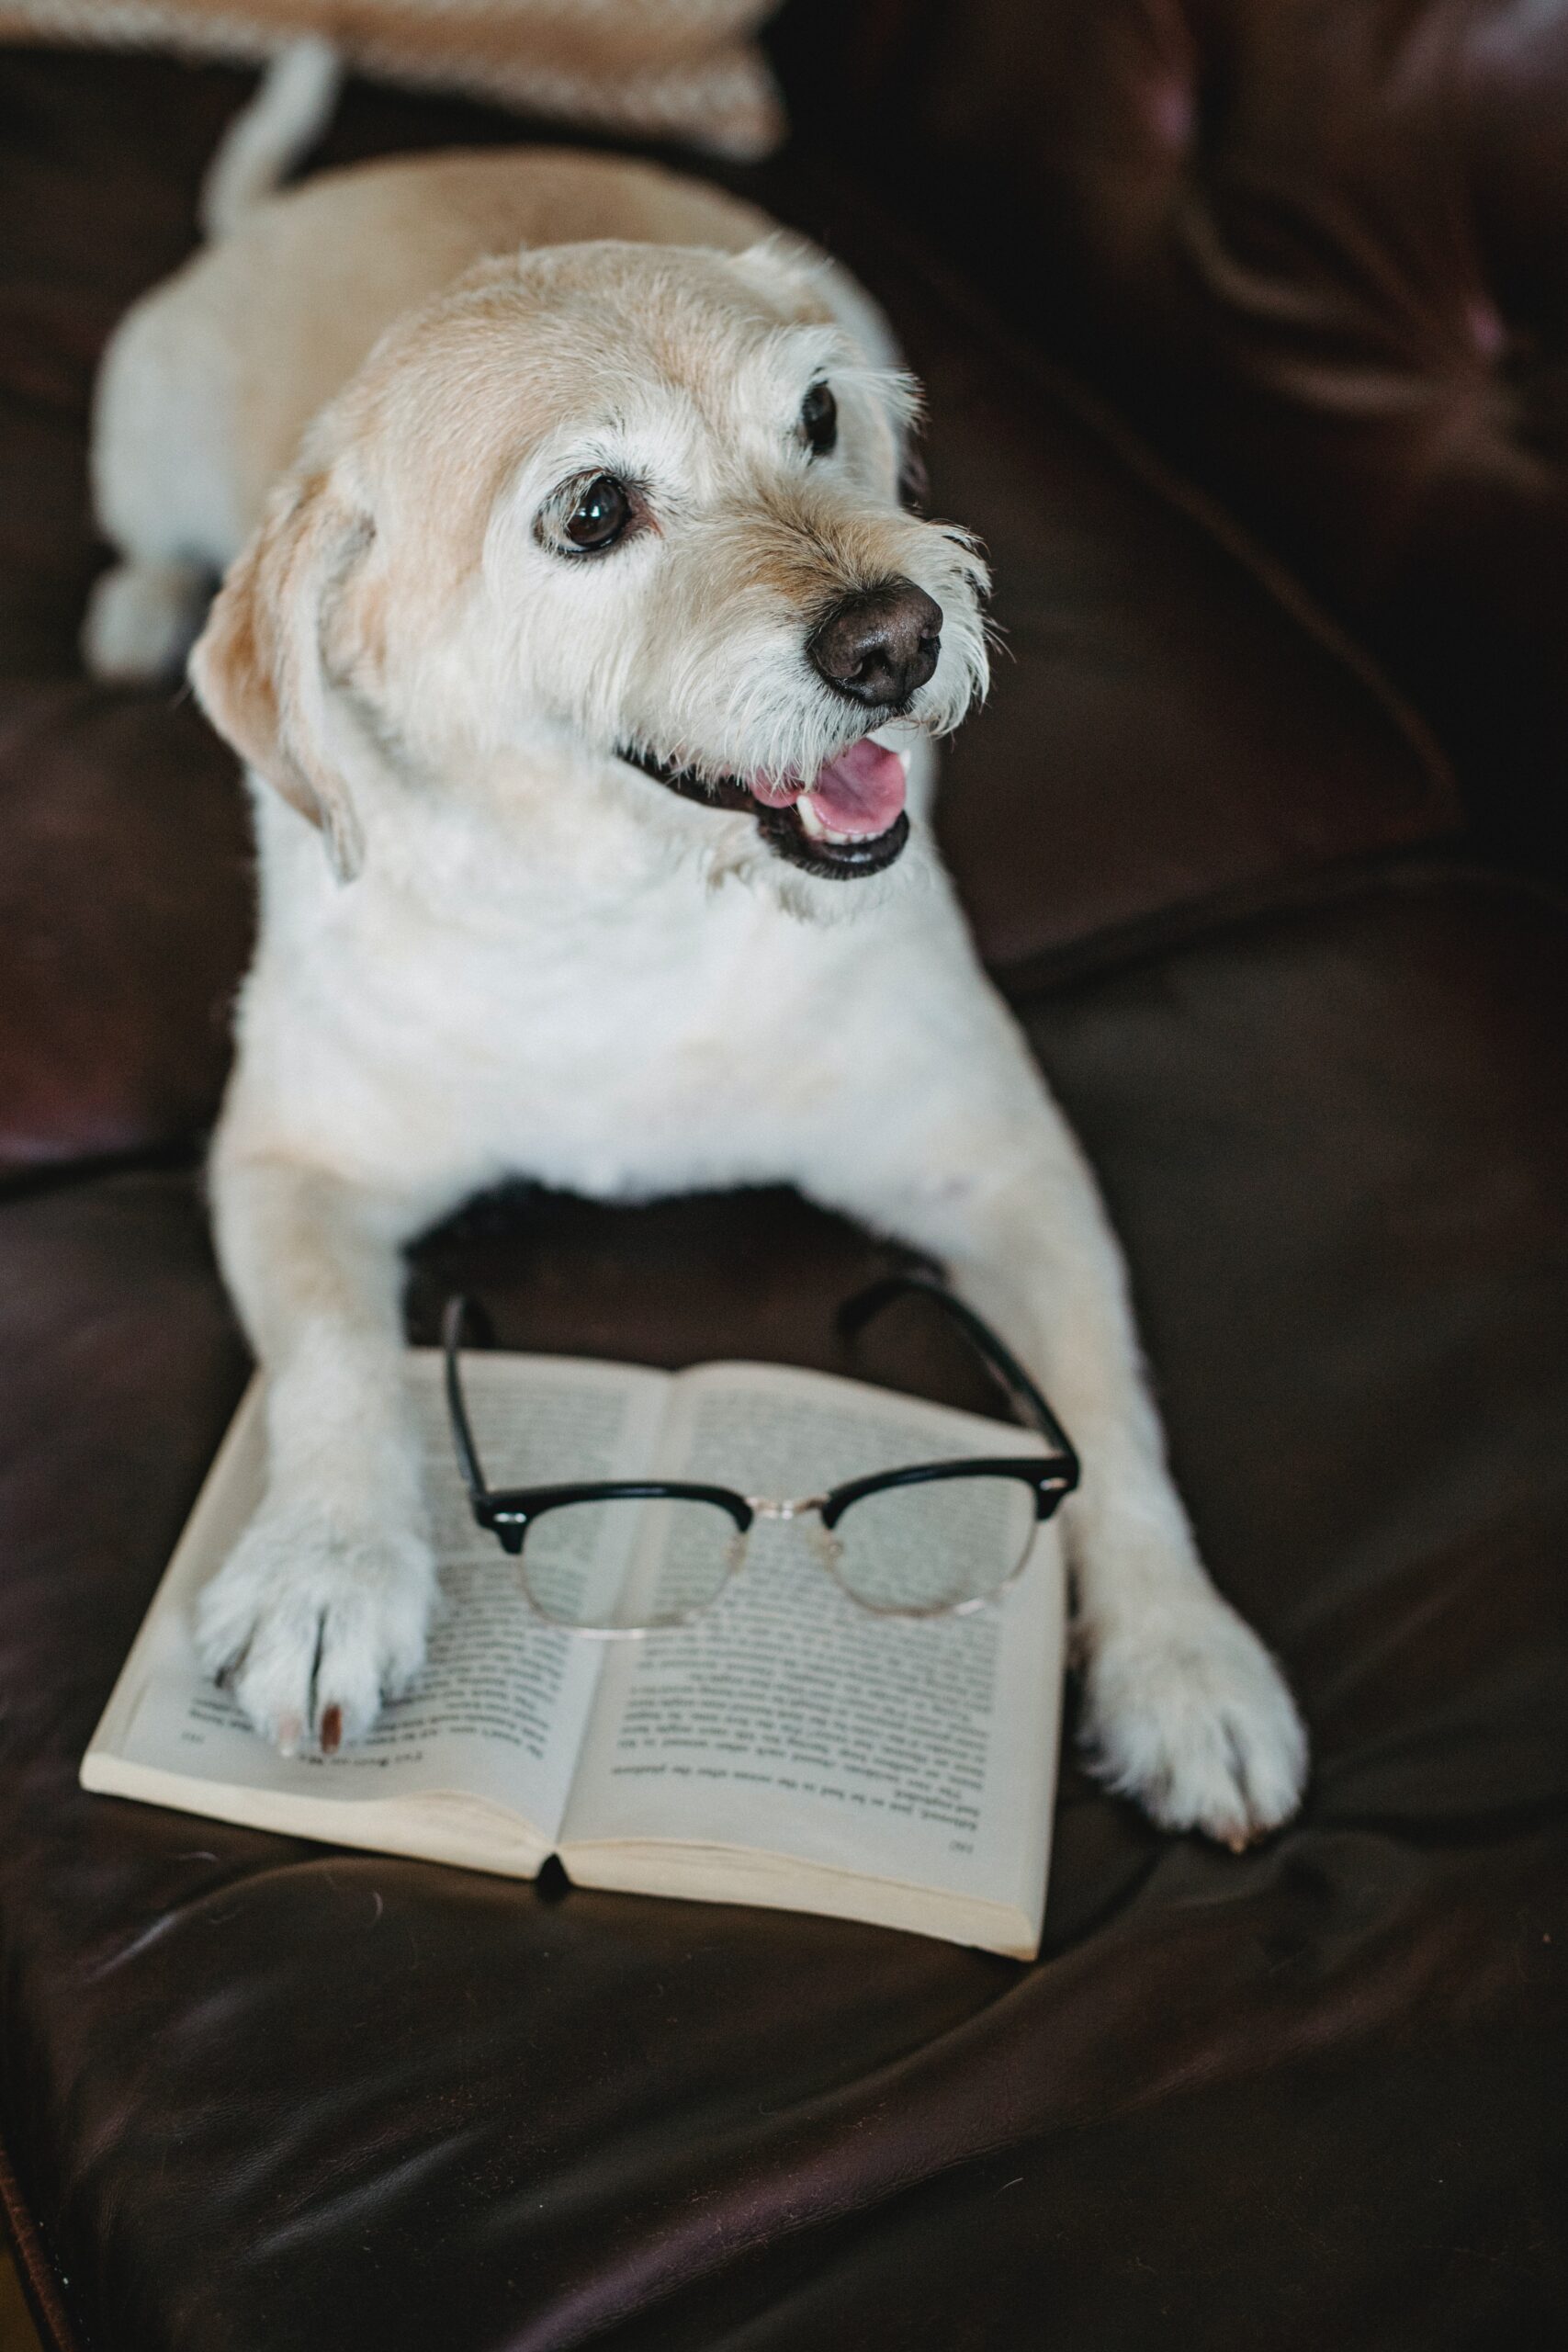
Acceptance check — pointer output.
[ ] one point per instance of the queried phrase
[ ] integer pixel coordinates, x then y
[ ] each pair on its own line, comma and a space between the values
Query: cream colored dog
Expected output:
580, 657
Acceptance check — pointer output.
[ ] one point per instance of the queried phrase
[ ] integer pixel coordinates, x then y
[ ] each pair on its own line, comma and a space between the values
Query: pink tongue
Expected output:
860, 792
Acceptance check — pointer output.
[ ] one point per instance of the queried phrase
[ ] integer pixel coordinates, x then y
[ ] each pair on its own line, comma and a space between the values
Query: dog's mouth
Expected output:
848, 822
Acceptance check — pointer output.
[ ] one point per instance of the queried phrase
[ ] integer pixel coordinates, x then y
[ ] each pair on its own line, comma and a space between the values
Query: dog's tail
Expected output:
282, 122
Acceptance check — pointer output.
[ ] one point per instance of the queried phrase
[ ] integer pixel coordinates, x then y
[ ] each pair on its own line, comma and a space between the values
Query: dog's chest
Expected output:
669, 1043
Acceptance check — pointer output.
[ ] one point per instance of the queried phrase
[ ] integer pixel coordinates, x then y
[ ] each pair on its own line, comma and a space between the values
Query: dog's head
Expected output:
613, 507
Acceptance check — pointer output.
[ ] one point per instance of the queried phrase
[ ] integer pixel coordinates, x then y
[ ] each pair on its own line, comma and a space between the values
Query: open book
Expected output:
787, 1747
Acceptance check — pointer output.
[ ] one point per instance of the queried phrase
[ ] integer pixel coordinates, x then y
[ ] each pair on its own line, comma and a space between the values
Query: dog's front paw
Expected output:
311, 1627
1191, 1716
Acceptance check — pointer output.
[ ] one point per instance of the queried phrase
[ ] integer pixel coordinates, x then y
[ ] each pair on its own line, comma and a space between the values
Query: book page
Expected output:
497, 1716
789, 1719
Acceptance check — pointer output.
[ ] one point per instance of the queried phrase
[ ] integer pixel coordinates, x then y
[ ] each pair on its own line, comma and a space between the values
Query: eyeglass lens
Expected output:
943, 1544
623, 1564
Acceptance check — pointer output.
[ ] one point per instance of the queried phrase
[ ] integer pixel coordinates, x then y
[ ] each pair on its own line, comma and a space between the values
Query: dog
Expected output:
586, 667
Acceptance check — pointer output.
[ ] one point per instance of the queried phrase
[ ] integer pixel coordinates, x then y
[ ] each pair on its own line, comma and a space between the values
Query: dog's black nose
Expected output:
878, 646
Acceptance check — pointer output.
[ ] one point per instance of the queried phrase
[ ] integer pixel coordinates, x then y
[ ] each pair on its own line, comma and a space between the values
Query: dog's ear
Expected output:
813, 286
259, 667
810, 285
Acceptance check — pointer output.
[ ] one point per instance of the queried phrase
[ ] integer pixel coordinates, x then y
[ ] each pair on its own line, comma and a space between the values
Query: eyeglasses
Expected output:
930, 1539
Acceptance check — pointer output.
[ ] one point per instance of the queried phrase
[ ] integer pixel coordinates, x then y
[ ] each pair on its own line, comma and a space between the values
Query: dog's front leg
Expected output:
321, 1608
1185, 1709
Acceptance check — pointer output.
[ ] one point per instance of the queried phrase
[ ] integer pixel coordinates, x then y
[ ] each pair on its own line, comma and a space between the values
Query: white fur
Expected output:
292, 107
143, 618
547, 963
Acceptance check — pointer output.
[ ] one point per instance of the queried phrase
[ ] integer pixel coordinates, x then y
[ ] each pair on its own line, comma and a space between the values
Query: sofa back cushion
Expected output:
1315, 248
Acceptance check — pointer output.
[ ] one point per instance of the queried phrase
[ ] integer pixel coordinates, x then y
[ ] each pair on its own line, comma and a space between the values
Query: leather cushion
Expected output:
1314, 247
271, 2096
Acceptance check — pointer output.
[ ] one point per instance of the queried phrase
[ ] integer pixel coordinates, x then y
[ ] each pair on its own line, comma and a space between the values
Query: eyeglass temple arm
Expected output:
852, 1318
455, 1315
998, 1360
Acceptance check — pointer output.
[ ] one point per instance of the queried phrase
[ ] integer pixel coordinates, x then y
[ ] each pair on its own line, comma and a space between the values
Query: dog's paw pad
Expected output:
1193, 1718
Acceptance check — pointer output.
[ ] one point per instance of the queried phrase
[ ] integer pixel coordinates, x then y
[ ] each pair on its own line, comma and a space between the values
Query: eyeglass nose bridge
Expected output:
796, 1506
818, 1536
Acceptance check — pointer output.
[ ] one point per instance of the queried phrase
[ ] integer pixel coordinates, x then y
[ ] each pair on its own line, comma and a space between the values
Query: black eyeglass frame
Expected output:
509, 1512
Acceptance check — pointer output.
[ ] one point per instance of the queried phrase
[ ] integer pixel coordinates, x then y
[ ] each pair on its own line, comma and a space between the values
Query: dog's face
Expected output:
619, 506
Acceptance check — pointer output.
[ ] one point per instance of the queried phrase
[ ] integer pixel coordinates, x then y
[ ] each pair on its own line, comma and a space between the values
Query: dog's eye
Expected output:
599, 514
819, 420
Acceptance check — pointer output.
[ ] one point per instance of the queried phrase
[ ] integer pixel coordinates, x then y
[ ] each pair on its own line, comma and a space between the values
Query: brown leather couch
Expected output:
1257, 831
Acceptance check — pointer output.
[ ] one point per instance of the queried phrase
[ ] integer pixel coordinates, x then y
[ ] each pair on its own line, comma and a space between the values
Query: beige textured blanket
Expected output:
685, 70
